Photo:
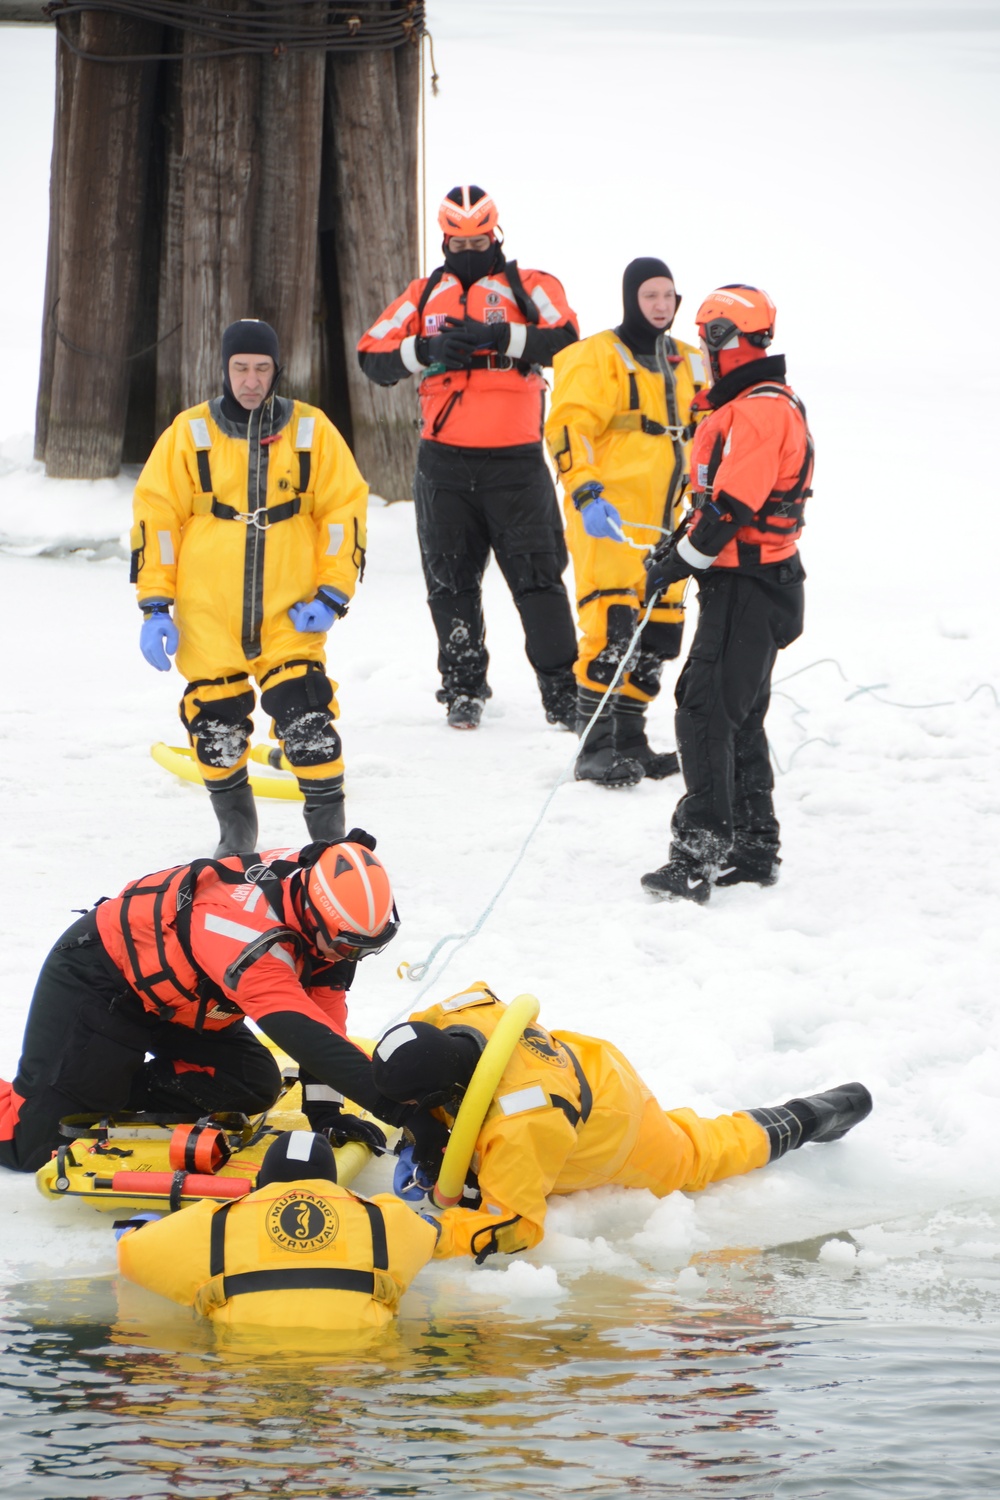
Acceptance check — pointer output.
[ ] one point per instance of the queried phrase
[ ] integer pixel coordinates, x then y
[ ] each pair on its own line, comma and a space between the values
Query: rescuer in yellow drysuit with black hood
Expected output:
570, 1112
621, 401
250, 519
297, 1252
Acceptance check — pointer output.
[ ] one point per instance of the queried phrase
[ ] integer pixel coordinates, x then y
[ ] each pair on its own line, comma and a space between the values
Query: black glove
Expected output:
341, 1128
482, 336
664, 567
447, 348
429, 1136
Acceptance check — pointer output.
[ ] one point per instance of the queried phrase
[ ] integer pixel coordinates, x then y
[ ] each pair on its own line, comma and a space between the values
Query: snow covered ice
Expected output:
844, 161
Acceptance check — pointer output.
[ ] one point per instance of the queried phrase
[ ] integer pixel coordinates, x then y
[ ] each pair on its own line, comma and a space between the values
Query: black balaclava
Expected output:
471, 266
636, 330
417, 1061
296, 1154
248, 336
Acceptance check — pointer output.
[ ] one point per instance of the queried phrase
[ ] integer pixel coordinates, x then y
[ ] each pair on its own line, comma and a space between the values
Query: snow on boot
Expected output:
598, 760
817, 1117
631, 741
236, 811
559, 701
465, 712
324, 814
680, 879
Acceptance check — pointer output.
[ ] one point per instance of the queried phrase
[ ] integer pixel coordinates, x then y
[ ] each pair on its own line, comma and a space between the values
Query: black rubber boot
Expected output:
598, 760
559, 699
817, 1117
749, 869
324, 815
631, 741
465, 712
236, 811
680, 879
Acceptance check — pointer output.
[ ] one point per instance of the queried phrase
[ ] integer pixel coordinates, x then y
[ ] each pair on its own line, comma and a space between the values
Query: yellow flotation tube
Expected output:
479, 1096
180, 760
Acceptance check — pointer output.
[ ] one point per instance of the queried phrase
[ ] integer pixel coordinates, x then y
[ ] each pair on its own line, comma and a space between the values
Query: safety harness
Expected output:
264, 516
307, 1278
780, 505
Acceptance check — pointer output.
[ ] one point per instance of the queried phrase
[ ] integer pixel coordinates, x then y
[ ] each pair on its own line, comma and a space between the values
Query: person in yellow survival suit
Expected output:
616, 430
297, 1252
250, 519
571, 1112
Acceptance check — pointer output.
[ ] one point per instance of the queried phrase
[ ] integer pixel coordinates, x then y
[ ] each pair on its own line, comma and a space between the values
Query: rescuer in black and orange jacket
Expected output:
298, 1252
751, 472
173, 965
477, 333
569, 1113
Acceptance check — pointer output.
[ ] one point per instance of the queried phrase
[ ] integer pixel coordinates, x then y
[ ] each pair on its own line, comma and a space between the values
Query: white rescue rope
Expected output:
418, 971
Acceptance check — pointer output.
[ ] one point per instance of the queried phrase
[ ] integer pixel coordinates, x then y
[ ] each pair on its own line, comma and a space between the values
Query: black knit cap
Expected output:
248, 336
636, 330
417, 1061
295, 1155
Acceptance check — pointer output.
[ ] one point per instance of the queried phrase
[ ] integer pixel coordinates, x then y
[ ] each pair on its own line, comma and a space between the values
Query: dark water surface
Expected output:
613, 1390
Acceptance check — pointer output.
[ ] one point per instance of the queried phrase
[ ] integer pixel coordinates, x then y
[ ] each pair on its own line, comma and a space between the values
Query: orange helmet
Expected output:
347, 899
736, 321
467, 211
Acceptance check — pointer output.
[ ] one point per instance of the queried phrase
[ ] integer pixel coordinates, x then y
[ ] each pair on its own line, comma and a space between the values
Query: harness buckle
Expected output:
257, 518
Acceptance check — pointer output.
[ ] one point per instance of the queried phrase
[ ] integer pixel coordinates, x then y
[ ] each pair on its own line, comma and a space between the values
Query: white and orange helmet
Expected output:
347, 899
735, 321
467, 211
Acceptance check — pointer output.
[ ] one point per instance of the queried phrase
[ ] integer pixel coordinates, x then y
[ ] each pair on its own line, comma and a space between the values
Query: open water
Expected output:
613, 1388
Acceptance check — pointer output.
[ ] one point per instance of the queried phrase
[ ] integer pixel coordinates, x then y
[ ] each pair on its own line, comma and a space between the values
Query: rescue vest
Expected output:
152, 917
783, 512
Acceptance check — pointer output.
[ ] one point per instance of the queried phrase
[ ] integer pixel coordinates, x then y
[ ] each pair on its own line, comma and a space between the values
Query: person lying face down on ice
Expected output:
171, 968
297, 1252
571, 1112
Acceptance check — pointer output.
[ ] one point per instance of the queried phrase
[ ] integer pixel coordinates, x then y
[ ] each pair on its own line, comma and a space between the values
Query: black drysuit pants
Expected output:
723, 694
85, 1047
470, 501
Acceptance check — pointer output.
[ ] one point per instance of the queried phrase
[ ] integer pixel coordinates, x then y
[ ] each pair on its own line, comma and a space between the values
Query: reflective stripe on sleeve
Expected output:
166, 542
692, 556
518, 338
389, 325
408, 354
199, 432
519, 1102
545, 305
304, 432
321, 1093
336, 538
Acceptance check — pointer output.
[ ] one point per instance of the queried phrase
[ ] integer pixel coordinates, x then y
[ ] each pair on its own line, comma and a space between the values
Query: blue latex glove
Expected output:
599, 516
317, 615
136, 1222
409, 1181
158, 637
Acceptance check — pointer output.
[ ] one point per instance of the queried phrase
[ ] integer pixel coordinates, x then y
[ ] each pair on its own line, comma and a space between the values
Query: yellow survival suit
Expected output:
616, 422
303, 1254
571, 1113
236, 526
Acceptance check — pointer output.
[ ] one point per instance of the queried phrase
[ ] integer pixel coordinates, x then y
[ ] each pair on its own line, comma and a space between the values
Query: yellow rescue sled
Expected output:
180, 760
127, 1164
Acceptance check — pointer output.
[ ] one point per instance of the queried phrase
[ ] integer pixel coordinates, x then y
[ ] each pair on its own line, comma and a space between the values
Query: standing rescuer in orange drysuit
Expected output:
570, 1112
250, 523
751, 471
476, 334
616, 431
